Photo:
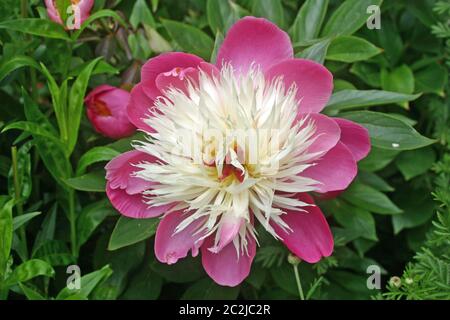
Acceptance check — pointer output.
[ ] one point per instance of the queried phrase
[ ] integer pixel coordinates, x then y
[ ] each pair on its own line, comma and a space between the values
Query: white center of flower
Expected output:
231, 148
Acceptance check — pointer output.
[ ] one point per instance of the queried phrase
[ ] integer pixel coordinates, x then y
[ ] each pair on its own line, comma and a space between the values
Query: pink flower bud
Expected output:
74, 15
107, 111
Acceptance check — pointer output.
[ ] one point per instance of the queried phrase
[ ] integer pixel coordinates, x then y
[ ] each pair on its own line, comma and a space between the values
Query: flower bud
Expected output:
73, 15
107, 111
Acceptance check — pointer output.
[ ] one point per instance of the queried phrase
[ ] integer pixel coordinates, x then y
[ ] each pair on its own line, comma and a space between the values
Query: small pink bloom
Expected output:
76, 14
106, 109
214, 205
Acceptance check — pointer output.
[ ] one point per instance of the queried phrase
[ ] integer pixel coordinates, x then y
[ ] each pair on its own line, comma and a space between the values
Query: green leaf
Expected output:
355, 218
6, 232
141, 14
93, 182
369, 73
207, 289
418, 208
30, 293
87, 284
105, 13
47, 231
368, 198
350, 49
129, 231
189, 38
415, 162
144, 285
222, 14
56, 253
22, 175
316, 52
388, 132
432, 79
91, 217
391, 41
38, 27
309, 20
269, 9
340, 85
351, 99
15, 63
348, 17
28, 270
24, 218
185, 270
375, 181
102, 67
400, 79
94, 155
36, 130
76, 101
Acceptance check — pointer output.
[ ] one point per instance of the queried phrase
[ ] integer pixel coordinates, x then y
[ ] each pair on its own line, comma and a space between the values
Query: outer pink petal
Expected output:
327, 132
311, 237
124, 190
335, 170
355, 137
254, 40
225, 267
52, 12
164, 63
314, 82
85, 8
132, 205
171, 246
139, 108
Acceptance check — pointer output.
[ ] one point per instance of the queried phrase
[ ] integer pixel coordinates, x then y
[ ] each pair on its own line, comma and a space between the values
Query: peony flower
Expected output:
232, 146
76, 14
107, 111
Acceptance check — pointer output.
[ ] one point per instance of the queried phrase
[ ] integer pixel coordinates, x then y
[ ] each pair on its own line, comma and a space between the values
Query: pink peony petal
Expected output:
254, 40
327, 132
314, 82
85, 9
310, 238
139, 108
133, 205
226, 267
52, 11
228, 229
355, 137
124, 190
335, 170
164, 63
176, 79
171, 246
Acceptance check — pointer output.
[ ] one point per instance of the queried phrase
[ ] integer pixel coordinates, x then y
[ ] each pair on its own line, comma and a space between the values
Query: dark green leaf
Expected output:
415, 162
351, 99
400, 79
189, 38
15, 63
129, 231
309, 20
348, 17
207, 289
94, 155
6, 232
24, 218
388, 132
38, 27
351, 49
28, 270
316, 52
368, 198
93, 182
269, 9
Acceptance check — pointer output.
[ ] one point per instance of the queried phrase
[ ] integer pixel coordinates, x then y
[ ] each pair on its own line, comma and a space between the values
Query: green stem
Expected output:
24, 8
299, 284
73, 227
17, 197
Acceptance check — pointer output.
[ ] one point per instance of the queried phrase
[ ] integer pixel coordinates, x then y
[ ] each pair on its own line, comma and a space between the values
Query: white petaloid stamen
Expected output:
231, 145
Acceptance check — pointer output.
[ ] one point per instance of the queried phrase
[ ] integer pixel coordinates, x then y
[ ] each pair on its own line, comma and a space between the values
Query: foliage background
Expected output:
53, 212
